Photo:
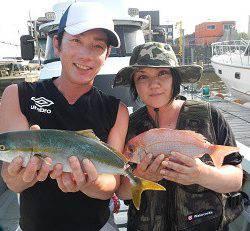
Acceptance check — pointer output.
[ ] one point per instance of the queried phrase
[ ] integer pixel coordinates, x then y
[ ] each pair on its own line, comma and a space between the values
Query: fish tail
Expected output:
140, 186
219, 152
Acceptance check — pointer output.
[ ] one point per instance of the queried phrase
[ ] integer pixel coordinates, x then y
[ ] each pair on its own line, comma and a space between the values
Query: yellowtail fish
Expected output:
163, 141
60, 145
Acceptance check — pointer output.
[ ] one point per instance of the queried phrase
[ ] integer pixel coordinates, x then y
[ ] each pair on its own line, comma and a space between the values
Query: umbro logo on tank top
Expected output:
40, 104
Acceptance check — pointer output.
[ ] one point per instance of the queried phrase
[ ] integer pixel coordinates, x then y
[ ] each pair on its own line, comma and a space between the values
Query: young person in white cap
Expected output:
77, 201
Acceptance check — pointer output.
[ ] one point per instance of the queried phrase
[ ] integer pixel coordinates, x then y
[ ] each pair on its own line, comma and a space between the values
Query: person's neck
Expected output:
168, 114
71, 91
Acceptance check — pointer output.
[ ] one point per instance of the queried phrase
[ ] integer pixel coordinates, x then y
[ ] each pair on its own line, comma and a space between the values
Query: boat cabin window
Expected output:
132, 37
237, 75
49, 52
219, 71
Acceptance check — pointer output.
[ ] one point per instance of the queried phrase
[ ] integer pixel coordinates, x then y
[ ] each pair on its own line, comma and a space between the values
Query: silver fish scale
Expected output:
167, 147
84, 147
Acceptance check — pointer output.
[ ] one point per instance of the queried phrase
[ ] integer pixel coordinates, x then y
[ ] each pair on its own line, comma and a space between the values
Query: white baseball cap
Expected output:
84, 16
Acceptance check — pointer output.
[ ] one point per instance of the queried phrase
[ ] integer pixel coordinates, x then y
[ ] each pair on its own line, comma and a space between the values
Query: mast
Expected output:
248, 26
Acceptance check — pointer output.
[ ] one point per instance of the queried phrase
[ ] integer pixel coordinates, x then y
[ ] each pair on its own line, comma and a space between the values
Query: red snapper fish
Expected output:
164, 141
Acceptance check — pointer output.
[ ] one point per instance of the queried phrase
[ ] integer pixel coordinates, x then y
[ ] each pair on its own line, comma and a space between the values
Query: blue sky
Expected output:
15, 13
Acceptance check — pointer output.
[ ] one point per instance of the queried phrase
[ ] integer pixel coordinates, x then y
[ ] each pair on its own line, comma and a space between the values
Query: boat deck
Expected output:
121, 217
238, 117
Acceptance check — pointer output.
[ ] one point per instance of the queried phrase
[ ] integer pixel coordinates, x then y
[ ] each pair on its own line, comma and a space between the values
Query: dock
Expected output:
6, 81
17, 78
238, 118
121, 217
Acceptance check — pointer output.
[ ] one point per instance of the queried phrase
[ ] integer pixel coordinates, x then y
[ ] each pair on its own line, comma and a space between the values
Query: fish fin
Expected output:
88, 133
42, 157
220, 151
143, 185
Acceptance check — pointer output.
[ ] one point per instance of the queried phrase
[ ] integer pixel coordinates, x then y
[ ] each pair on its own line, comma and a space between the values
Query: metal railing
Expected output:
241, 48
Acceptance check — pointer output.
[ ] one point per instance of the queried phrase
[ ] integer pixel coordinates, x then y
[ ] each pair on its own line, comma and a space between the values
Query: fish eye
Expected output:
131, 147
2, 147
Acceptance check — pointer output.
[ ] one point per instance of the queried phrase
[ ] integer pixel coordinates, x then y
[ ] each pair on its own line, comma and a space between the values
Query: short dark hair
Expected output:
60, 37
176, 85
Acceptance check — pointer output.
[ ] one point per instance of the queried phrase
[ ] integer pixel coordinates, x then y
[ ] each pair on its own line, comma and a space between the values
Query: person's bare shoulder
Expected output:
11, 117
123, 110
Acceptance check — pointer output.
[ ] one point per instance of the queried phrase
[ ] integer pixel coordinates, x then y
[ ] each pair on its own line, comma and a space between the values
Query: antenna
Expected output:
181, 52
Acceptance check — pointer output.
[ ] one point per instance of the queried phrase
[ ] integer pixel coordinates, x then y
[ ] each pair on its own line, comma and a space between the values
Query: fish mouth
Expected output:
128, 154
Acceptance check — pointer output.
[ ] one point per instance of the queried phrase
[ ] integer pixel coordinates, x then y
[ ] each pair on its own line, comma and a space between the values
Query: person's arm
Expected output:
86, 179
11, 117
226, 179
106, 184
15, 176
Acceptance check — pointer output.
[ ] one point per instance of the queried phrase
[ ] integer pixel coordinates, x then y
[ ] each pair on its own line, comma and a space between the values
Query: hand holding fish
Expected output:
19, 178
149, 170
75, 181
82, 176
183, 169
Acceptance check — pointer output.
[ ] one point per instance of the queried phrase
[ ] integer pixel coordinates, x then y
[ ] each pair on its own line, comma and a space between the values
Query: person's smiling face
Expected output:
154, 86
83, 55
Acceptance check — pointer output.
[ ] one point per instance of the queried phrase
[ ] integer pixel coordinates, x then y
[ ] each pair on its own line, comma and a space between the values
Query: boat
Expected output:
231, 62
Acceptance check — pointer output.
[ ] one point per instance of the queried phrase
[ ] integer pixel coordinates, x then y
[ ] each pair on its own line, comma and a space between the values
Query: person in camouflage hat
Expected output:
155, 54
193, 199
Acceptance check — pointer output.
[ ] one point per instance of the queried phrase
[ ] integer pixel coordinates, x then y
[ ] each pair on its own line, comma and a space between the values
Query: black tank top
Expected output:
44, 206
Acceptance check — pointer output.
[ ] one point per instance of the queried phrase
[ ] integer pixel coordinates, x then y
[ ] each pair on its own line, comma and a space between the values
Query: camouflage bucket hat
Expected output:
155, 54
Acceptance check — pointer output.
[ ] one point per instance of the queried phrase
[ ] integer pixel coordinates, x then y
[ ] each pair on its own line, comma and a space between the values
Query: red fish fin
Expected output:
219, 152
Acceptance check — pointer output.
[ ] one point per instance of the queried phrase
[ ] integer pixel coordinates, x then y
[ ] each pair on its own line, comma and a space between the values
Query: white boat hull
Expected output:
236, 78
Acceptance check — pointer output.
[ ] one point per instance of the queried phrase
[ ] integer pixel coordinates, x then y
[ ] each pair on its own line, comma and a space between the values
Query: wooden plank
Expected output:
238, 118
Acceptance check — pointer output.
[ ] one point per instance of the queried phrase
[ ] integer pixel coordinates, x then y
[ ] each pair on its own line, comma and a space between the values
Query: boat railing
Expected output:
231, 48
